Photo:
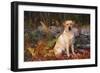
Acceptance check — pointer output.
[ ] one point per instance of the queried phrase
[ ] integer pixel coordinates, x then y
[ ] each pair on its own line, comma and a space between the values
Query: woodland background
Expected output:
41, 30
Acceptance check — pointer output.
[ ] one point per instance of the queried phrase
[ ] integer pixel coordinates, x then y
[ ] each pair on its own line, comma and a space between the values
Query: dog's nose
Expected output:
69, 28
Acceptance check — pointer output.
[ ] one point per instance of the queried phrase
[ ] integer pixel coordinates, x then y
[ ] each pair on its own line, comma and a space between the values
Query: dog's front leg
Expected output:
67, 50
72, 48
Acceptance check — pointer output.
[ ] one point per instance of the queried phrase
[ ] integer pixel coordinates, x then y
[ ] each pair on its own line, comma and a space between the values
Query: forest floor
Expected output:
46, 55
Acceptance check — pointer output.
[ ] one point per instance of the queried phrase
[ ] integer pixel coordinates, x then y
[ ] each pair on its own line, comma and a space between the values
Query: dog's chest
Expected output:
68, 34
68, 37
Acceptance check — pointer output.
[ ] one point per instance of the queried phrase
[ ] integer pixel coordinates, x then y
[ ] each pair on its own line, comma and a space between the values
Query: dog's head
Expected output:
68, 24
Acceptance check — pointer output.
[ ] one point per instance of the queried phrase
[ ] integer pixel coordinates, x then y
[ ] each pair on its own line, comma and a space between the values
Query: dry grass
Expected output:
42, 53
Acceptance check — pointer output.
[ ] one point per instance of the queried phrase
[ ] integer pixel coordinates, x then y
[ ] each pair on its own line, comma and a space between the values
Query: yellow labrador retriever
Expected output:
65, 40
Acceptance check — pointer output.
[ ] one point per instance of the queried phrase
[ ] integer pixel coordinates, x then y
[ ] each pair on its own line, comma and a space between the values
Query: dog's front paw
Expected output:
68, 55
73, 53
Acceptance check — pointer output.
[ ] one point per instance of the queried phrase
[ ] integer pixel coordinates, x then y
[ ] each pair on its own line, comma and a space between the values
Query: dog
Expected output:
65, 41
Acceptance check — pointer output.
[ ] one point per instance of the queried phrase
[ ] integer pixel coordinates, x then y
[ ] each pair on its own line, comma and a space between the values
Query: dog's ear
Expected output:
64, 24
73, 23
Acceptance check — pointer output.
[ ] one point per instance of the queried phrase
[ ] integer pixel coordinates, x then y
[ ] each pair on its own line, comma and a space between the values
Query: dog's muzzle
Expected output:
69, 29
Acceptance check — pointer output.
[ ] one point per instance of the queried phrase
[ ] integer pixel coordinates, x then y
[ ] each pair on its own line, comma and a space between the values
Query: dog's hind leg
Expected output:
57, 52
